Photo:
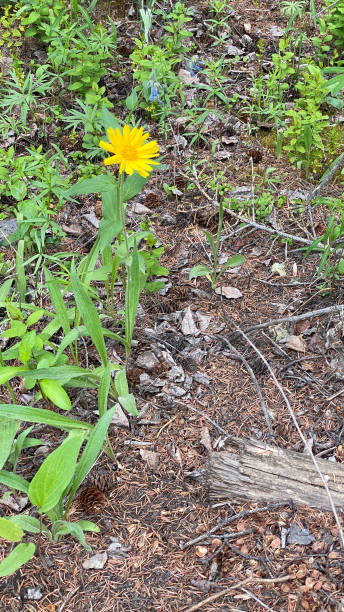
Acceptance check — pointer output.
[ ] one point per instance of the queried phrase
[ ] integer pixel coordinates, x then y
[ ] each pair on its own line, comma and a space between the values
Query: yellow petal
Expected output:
107, 146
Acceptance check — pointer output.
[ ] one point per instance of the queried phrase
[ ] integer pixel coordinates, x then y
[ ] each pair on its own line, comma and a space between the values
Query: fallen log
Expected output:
250, 470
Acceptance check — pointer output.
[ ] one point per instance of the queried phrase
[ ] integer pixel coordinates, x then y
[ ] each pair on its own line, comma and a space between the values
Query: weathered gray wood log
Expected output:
249, 470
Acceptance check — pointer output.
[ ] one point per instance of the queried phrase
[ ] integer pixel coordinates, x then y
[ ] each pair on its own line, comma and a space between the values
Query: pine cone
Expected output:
92, 500
152, 200
180, 182
100, 479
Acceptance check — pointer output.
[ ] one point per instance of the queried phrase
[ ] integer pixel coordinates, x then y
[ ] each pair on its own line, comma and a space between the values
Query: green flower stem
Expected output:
217, 244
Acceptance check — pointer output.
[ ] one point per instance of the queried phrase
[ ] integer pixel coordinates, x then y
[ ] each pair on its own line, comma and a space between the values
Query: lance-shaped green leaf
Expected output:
55, 473
90, 316
39, 415
14, 481
28, 523
8, 372
96, 184
62, 527
20, 555
9, 531
8, 430
90, 452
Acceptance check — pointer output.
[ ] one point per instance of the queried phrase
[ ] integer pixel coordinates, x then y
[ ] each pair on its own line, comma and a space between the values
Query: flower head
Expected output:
154, 94
130, 150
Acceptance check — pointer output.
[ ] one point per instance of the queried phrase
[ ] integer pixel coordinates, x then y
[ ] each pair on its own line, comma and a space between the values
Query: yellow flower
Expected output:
130, 150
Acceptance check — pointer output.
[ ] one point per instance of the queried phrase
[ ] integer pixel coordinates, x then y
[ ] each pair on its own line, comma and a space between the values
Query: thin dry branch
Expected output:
297, 426
255, 382
292, 319
237, 585
252, 223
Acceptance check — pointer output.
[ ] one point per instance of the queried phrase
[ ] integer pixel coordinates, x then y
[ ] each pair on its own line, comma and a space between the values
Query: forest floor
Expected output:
191, 393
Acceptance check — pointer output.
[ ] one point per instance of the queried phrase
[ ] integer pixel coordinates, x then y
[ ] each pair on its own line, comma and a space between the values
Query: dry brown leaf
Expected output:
150, 457
231, 293
205, 439
296, 343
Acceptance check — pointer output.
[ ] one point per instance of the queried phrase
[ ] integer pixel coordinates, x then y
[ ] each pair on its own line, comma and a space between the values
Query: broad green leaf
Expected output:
8, 430
29, 523
109, 120
9, 531
55, 473
17, 330
97, 184
121, 383
55, 393
133, 185
39, 415
14, 481
108, 230
20, 555
128, 403
89, 315
233, 262
132, 100
8, 372
32, 18
26, 345
199, 271
13, 311
35, 316
90, 453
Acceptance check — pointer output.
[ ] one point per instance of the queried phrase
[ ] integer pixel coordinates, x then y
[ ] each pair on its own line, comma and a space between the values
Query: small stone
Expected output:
119, 418
151, 458
33, 594
96, 562
146, 360
231, 293
202, 379
234, 51
7, 227
276, 31
140, 209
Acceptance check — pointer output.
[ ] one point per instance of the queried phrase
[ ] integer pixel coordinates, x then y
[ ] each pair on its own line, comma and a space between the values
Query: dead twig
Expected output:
238, 585
255, 382
260, 226
252, 596
337, 165
292, 319
235, 517
298, 429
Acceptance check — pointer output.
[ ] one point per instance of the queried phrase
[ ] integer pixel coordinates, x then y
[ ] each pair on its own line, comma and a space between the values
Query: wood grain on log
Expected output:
249, 470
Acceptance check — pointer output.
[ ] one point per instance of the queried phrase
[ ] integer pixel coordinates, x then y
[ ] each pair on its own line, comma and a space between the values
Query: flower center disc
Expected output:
129, 152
